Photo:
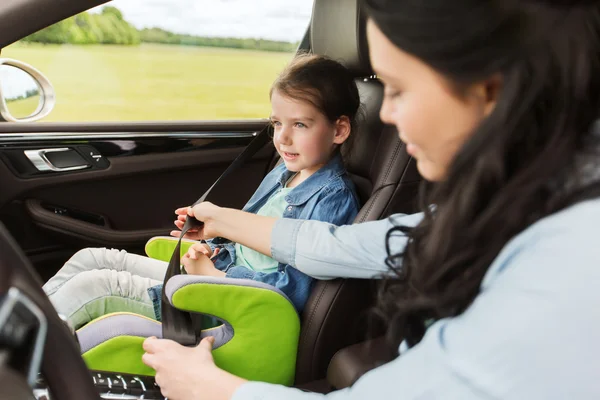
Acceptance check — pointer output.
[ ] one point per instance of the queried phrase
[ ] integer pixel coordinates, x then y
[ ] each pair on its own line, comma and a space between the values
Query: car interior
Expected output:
46, 215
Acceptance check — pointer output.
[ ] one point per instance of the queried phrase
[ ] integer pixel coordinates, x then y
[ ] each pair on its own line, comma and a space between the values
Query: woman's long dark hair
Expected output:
511, 171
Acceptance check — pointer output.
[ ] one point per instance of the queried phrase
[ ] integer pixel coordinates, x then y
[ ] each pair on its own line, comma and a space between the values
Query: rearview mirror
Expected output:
25, 94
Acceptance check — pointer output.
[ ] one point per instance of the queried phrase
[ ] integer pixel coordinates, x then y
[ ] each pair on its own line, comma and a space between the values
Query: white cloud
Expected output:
269, 19
15, 82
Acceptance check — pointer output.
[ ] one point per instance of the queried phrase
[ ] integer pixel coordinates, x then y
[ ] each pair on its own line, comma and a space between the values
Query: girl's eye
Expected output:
300, 125
275, 123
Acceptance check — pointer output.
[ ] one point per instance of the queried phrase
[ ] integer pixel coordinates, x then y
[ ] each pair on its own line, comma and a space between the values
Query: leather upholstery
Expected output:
336, 313
349, 364
338, 30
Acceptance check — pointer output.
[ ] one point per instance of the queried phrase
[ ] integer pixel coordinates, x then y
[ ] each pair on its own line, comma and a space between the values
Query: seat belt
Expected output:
179, 325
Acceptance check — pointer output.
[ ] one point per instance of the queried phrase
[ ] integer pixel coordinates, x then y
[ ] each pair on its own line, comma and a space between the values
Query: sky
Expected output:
285, 20
15, 82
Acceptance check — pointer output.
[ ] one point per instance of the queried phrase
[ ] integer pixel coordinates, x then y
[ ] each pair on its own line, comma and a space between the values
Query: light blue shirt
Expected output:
256, 261
532, 333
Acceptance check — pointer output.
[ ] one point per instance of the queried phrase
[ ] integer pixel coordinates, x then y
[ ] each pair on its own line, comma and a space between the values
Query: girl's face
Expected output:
432, 120
303, 136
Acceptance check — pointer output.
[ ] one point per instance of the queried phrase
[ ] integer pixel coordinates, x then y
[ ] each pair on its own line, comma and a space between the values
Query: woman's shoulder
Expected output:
561, 246
577, 223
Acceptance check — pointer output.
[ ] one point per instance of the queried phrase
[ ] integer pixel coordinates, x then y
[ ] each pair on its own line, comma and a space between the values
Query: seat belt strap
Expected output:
179, 325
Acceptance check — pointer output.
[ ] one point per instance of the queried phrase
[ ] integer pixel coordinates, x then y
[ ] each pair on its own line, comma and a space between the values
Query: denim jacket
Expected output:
327, 195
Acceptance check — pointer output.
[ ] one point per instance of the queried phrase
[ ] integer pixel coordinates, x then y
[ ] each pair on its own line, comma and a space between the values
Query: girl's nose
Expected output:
283, 135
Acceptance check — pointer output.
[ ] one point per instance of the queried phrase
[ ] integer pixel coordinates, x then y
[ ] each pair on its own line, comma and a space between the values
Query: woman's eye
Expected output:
300, 125
275, 123
392, 93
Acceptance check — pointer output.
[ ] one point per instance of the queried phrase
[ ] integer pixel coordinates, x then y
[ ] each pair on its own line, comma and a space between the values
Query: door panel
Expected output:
147, 171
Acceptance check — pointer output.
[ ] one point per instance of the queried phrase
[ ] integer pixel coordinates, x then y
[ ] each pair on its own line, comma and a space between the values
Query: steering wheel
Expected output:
33, 338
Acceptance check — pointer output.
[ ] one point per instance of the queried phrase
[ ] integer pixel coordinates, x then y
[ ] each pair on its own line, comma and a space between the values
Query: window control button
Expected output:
116, 384
101, 381
134, 386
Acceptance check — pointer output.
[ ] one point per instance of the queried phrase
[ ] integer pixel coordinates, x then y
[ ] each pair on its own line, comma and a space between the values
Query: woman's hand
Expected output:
242, 227
182, 214
205, 212
188, 373
209, 214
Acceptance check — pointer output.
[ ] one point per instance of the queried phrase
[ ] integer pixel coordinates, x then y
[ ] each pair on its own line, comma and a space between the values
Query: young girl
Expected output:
314, 105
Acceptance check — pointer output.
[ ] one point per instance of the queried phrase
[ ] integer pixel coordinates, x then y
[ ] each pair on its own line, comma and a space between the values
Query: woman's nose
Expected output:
385, 112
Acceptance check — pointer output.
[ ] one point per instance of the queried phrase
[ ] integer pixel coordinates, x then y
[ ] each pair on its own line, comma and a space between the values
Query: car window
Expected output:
140, 60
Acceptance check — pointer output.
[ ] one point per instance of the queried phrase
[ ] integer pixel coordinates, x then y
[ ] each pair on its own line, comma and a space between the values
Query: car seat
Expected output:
262, 338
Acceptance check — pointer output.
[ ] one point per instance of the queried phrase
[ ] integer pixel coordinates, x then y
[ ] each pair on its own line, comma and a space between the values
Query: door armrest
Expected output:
350, 363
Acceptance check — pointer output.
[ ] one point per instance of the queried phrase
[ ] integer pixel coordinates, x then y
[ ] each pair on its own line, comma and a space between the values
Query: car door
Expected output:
152, 101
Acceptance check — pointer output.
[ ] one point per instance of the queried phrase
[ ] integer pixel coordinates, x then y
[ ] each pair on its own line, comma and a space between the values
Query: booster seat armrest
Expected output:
241, 304
181, 281
162, 247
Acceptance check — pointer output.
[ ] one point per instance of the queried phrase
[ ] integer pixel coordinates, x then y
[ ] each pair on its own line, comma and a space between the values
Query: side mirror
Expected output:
26, 95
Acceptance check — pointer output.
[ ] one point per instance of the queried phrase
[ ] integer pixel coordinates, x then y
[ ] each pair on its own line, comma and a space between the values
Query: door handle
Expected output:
57, 159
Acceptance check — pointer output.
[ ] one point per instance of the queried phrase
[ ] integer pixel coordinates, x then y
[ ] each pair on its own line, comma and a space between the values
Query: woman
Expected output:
490, 292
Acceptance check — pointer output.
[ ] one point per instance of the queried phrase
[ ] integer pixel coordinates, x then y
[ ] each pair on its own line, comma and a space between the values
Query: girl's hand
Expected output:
200, 248
200, 266
188, 373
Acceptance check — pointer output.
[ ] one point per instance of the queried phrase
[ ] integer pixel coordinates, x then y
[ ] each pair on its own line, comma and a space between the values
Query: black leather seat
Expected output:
386, 180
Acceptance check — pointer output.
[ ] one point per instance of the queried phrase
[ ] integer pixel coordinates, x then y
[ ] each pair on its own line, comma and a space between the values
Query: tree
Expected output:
110, 10
108, 27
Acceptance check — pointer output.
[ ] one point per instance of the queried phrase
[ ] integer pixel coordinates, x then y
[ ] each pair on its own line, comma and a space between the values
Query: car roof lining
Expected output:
19, 18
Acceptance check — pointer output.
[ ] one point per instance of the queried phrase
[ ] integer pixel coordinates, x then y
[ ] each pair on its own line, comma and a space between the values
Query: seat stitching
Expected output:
375, 195
311, 318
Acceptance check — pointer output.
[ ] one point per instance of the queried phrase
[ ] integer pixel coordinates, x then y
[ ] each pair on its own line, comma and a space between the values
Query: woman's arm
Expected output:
325, 251
235, 225
242, 227
316, 248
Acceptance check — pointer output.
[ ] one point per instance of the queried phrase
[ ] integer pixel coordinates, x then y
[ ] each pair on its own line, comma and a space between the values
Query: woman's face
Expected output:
432, 120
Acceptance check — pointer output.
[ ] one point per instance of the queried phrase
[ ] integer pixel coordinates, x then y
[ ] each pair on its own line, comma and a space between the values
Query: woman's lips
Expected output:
411, 149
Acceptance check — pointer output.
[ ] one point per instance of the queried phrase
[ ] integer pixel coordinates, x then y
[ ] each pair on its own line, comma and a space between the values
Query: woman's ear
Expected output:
488, 93
493, 89
342, 130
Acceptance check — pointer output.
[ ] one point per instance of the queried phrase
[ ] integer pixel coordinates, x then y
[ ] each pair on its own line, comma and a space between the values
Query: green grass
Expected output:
23, 108
154, 82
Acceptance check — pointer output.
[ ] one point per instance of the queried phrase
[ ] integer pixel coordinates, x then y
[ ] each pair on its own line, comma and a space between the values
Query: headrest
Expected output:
338, 31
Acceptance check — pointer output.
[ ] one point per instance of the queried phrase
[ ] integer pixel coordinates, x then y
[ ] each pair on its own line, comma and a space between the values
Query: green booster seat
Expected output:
256, 331
256, 338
